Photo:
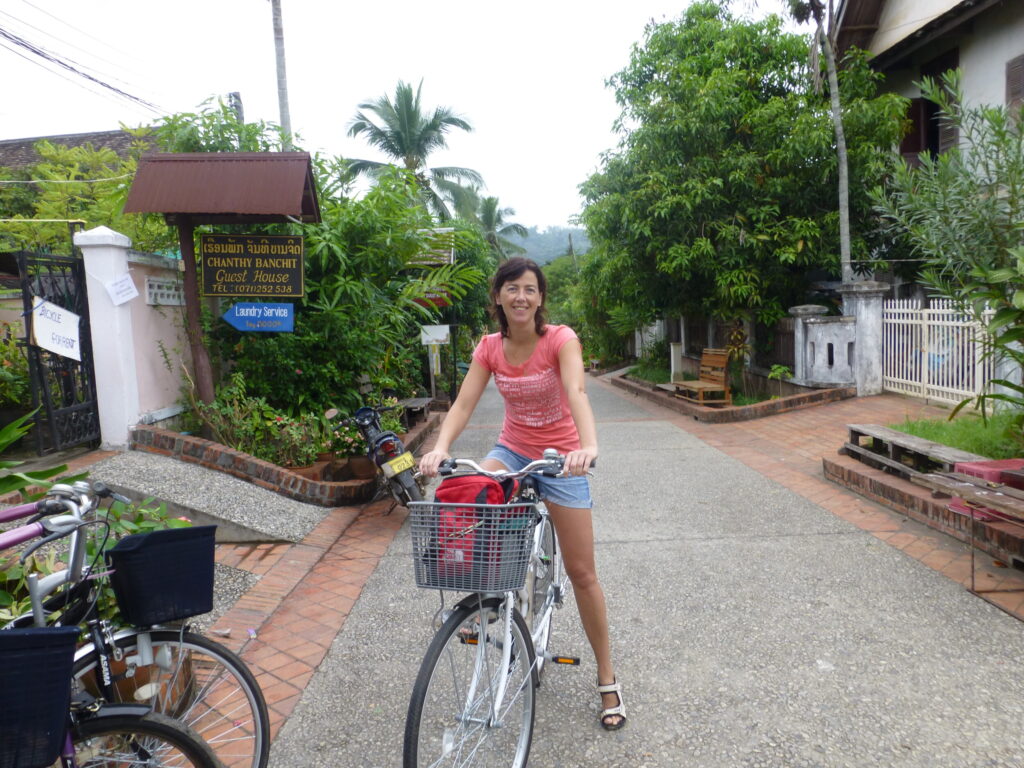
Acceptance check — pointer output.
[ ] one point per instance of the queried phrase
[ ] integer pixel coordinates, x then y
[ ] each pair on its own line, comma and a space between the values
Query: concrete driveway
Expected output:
751, 627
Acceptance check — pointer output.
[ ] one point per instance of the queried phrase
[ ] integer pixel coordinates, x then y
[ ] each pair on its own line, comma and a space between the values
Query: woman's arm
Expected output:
458, 416
570, 361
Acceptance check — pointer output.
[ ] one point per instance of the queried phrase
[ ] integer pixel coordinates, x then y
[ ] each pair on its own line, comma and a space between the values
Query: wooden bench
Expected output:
712, 380
414, 409
900, 453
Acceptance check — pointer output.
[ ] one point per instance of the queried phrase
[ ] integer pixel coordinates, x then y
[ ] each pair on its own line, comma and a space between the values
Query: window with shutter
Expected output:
1015, 83
940, 135
916, 140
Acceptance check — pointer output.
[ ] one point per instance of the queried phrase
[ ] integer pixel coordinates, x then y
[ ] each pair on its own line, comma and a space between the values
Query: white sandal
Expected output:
619, 711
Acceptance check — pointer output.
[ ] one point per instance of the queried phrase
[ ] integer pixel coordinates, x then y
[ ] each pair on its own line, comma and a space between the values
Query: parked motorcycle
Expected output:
387, 451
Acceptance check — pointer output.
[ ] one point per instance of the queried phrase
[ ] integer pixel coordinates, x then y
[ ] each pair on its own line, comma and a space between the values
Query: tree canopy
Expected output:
721, 196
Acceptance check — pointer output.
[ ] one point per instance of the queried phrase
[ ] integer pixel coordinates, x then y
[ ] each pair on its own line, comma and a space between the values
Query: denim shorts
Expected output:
569, 491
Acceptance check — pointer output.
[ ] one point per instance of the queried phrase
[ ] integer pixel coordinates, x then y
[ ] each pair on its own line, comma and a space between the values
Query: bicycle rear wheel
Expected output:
149, 741
452, 719
199, 682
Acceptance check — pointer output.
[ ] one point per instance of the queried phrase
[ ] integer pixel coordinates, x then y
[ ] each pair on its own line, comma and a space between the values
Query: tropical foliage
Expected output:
961, 213
401, 128
721, 197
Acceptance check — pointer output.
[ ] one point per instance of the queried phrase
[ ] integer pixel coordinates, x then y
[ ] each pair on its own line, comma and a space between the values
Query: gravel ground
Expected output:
252, 512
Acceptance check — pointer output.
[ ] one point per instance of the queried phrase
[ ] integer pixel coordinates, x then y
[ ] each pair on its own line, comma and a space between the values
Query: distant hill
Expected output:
553, 242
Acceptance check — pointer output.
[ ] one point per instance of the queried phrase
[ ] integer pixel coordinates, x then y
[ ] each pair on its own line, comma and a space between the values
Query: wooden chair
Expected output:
712, 384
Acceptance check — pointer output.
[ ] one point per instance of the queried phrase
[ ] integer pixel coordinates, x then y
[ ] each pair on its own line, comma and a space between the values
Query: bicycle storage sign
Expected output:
252, 265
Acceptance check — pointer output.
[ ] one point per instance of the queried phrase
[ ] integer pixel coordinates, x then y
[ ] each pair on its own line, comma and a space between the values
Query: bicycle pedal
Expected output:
572, 661
469, 639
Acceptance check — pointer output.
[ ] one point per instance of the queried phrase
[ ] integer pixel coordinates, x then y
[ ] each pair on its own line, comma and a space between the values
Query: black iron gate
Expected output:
63, 389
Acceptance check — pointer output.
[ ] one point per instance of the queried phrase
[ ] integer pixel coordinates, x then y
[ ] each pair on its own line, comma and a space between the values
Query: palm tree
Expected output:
400, 129
496, 229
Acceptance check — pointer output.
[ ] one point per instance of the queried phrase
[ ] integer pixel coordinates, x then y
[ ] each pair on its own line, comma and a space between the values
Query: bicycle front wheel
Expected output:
542, 581
197, 681
454, 718
149, 741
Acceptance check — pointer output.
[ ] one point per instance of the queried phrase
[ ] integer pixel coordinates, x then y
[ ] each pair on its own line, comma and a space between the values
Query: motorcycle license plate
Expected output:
398, 464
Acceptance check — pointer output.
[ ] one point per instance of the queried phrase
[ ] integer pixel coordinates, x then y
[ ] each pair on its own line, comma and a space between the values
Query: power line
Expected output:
77, 30
65, 181
36, 50
100, 93
67, 43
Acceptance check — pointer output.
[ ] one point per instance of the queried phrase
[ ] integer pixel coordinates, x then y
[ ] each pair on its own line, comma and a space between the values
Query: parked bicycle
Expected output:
474, 699
41, 724
387, 451
158, 577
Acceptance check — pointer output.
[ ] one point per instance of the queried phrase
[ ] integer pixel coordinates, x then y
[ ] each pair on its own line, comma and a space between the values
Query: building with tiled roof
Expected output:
21, 153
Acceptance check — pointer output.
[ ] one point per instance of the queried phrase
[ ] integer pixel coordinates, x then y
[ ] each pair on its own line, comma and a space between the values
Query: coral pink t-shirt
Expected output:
537, 414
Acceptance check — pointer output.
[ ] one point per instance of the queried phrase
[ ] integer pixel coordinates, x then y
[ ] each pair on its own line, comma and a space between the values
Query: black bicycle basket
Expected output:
35, 678
163, 575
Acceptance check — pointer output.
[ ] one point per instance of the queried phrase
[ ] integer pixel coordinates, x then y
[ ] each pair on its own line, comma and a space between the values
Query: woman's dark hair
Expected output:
513, 269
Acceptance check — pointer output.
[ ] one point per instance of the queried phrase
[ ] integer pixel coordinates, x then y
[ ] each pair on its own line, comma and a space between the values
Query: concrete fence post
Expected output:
864, 302
800, 315
105, 253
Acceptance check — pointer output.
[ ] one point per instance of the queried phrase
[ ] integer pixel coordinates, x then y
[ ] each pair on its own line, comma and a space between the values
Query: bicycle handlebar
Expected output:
551, 465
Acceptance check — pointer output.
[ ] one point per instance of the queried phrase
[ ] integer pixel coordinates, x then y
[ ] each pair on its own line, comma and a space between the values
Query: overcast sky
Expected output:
529, 76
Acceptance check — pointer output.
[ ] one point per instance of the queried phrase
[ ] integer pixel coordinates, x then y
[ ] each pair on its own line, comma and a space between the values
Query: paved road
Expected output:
751, 627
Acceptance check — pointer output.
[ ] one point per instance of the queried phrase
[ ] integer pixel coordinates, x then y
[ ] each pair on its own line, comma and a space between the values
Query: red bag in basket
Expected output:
456, 526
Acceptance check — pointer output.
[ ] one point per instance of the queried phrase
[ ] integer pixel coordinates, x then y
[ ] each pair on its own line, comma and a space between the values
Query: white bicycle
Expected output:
474, 699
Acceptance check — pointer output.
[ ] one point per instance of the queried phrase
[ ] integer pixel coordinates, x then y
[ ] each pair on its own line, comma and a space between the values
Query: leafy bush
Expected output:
249, 424
14, 379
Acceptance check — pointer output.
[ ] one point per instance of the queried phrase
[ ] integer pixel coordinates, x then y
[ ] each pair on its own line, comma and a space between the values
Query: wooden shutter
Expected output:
944, 136
916, 140
1015, 83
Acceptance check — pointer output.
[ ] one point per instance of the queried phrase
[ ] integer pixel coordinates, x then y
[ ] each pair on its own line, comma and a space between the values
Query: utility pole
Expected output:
282, 76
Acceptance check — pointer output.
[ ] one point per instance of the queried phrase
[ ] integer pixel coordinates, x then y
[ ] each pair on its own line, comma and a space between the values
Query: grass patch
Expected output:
968, 432
739, 398
652, 371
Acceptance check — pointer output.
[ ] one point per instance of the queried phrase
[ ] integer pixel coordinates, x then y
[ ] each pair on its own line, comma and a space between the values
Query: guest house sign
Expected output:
251, 265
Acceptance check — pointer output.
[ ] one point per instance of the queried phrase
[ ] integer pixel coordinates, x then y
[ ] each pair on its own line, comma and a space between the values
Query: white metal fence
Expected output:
935, 352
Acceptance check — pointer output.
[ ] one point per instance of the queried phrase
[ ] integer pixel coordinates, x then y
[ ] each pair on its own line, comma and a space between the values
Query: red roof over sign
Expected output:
225, 187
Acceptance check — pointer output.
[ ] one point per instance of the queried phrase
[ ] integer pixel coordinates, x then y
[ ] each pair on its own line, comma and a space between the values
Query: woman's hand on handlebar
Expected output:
430, 461
579, 461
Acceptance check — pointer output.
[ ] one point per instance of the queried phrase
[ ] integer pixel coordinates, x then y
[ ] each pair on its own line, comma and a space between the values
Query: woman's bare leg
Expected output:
575, 531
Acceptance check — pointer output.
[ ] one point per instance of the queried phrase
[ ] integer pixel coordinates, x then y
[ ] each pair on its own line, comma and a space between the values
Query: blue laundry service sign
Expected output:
252, 316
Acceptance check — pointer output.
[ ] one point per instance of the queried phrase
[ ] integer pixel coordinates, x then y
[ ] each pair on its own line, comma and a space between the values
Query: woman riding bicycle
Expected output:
538, 369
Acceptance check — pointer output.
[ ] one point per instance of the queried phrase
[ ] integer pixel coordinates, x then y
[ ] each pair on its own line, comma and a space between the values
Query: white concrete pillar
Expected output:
801, 354
864, 301
105, 253
675, 357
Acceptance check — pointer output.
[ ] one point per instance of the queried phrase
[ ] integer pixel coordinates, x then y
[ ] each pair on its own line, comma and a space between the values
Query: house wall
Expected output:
985, 45
159, 338
901, 18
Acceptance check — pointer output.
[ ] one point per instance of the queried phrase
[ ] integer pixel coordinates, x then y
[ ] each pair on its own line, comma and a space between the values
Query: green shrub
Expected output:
14, 379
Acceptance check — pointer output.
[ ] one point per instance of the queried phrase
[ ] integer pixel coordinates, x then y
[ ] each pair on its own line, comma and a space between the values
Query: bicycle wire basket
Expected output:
35, 677
471, 547
163, 575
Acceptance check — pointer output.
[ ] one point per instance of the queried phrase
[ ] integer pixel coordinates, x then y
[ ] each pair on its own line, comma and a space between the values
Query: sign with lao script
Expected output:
55, 329
269, 318
251, 265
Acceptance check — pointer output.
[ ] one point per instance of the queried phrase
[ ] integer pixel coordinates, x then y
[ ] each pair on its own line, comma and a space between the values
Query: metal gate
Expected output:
935, 352
63, 389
